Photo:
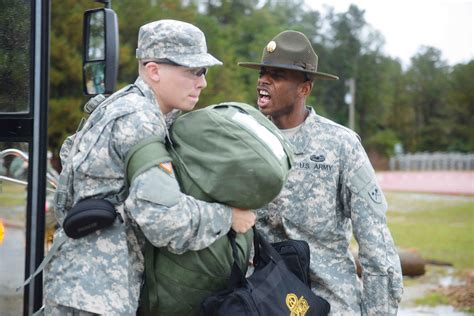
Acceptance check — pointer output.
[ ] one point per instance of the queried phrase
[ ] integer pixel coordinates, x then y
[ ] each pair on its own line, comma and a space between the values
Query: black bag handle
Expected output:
263, 249
264, 252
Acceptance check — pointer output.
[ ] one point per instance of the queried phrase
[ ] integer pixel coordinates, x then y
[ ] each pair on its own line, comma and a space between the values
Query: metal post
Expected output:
350, 100
107, 3
33, 293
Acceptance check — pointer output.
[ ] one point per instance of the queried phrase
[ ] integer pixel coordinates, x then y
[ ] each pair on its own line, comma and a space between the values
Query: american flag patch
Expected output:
167, 166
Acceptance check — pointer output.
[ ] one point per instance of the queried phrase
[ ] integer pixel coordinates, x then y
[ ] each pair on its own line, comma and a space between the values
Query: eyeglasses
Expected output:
195, 71
198, 71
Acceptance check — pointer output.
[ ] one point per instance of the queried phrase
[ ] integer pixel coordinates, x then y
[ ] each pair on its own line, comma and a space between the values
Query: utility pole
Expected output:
350, 101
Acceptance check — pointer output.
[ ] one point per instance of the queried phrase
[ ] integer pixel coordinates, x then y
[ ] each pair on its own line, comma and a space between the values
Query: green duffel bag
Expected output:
177, 284
228, 153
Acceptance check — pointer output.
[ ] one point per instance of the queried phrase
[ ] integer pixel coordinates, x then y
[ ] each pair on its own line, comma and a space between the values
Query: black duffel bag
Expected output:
272, 289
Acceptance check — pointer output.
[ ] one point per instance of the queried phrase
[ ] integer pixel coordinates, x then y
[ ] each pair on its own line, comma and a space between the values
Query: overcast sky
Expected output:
407, 24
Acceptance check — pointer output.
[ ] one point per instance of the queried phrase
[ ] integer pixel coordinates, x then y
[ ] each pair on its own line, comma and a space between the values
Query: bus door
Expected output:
24, 62
27, 181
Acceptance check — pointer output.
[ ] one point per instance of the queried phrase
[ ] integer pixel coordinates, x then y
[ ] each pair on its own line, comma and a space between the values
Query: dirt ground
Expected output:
457, 289
462, 295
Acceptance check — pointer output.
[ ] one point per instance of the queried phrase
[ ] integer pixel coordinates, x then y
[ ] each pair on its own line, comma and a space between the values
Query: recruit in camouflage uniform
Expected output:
331, 194
102, 272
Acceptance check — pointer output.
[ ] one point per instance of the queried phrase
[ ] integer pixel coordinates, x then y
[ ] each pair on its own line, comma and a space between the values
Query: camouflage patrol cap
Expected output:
177, 41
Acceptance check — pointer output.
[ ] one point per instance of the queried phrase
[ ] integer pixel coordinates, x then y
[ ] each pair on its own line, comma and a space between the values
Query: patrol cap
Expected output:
177, 41
290, 50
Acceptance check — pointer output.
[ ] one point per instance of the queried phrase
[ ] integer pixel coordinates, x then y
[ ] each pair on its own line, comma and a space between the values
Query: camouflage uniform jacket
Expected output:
332, 193
102, 272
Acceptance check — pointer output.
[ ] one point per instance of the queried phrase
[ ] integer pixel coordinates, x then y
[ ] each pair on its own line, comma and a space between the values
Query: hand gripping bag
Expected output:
228, 153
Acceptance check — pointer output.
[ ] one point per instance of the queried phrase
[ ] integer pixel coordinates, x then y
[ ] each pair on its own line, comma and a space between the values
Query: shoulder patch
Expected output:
167, 166
375, 194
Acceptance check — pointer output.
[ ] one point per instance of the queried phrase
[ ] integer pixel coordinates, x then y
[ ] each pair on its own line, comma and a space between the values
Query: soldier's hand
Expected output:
242, 220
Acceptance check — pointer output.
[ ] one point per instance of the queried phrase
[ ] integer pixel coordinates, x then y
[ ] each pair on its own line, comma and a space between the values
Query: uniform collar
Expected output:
301, 139
150, 95
146, 91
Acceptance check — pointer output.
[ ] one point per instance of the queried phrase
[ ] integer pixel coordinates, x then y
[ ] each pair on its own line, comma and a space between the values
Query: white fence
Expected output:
432, 161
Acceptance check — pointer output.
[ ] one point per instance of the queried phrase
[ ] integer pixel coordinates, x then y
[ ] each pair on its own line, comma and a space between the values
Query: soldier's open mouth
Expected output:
263, 98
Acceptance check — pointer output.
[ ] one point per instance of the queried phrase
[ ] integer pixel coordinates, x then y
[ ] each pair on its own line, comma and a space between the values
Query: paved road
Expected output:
442, 182
12, 252
444, 310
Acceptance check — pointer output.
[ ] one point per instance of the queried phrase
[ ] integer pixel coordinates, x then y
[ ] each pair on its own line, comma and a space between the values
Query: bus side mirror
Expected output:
100, 58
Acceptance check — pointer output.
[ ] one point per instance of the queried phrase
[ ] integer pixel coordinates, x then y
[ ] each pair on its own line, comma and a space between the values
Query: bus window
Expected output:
15, 28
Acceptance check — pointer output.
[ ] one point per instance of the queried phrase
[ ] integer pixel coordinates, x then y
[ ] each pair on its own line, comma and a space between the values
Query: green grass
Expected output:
469, 310
12, 194
433, 299
440, 228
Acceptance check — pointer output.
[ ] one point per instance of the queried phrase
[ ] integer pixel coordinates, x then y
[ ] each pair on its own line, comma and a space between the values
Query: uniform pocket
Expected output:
376, 294
396, 288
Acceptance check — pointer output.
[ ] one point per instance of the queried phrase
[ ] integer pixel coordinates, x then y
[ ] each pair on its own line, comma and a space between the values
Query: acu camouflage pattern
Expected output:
178, 41
102, 272
331, 193
52, 309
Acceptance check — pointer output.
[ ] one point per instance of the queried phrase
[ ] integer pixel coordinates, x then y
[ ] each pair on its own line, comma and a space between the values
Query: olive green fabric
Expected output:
144, 155
290, 50
177, 284
228, 153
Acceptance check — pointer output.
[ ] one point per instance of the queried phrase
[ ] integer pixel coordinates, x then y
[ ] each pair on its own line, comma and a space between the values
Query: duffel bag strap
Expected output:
237, 277
144, 155
151, 301
57, 242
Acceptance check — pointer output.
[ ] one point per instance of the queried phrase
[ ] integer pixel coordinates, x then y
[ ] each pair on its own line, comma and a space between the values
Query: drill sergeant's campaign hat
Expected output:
291, 50
179, 42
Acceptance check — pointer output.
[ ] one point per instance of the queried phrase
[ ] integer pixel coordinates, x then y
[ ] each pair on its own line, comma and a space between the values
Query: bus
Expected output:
27, 180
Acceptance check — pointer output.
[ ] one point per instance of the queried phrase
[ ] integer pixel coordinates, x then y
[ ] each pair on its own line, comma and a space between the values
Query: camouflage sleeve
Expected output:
169, 218
381, 271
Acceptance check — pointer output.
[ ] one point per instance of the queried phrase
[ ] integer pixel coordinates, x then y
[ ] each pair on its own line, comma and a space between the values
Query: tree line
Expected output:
425, 106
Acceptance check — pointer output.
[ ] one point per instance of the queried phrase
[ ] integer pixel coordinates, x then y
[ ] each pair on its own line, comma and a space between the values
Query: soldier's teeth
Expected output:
263, 92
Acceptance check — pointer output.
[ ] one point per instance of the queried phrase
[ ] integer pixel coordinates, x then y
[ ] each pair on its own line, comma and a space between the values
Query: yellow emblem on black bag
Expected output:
298, 307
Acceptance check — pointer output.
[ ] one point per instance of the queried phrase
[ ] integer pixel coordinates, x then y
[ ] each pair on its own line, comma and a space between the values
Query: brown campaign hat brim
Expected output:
314, 74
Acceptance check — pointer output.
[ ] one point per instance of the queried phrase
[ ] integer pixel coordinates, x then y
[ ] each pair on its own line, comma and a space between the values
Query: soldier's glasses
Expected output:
195, 71
198, 71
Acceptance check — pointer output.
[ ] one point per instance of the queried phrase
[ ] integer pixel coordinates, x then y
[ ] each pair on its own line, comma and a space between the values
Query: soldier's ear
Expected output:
153, 71
305, 88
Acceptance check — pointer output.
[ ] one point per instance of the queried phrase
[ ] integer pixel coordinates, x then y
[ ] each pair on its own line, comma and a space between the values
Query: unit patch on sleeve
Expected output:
167, 166
375, 194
